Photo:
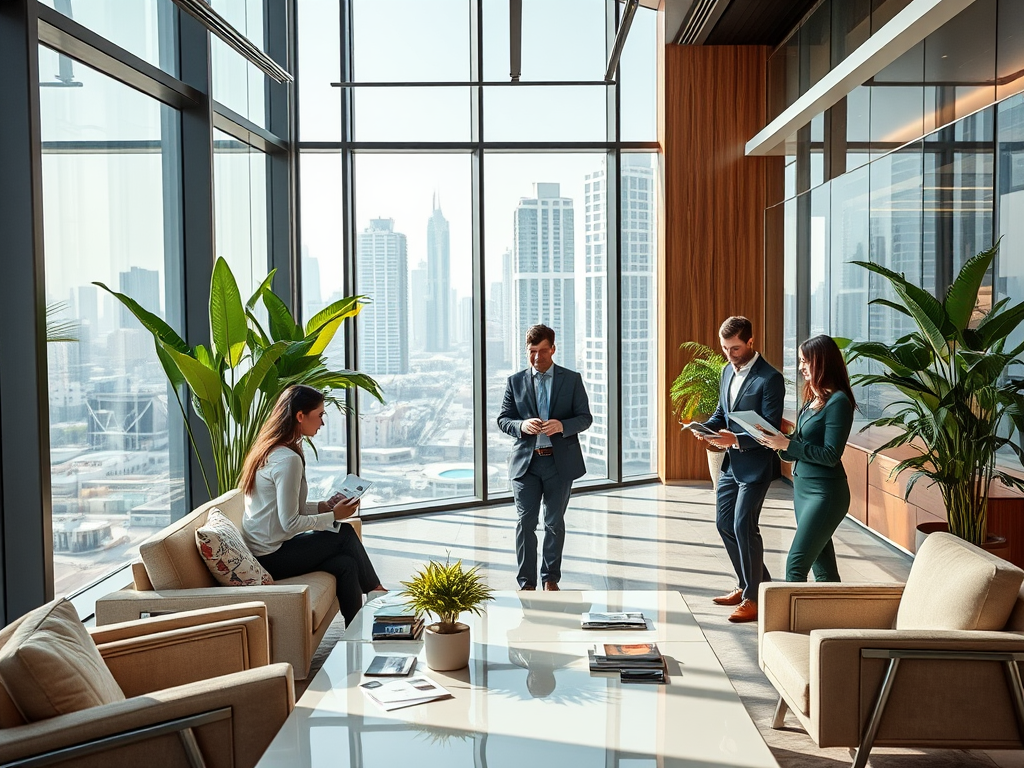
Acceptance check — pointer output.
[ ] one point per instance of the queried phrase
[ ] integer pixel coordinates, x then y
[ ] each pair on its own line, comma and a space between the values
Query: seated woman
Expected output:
286, 535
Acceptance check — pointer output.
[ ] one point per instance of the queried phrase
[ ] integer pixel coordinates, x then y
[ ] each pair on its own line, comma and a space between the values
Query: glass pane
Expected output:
639, 289
784, 76
882, 12
851, 26
319, 54
146, 28
638, 92
111, 199
820, 266
1010, 49
789, 301
323, 273
814, 44
564, 40
858, 127
1010, 203
539, 211
237, 84
412, 114
897, 102
408, 41
960, 62
414, 262
240, 207
545, 113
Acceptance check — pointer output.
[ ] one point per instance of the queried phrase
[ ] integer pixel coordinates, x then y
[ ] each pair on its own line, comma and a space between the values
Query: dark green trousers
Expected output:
820, 505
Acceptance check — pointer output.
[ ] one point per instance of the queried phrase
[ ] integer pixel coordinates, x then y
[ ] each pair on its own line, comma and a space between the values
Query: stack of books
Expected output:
396, 620
640, 663
614, 621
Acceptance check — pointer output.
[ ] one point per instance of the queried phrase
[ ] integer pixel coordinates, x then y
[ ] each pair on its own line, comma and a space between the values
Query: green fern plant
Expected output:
447, 590
695, 390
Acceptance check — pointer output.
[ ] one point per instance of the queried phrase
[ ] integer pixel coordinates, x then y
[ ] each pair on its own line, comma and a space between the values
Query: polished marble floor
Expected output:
658, 537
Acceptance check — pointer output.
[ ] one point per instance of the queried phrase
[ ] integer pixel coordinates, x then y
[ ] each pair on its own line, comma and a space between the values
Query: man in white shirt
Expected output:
748, 383
545, 408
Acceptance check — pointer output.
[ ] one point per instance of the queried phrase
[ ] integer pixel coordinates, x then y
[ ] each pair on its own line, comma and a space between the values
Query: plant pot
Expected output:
446, 651
997, 545
715, 459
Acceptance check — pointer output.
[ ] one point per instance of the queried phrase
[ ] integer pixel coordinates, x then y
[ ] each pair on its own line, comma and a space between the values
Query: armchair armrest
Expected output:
141, 627
187, 654
801, 608
259, 700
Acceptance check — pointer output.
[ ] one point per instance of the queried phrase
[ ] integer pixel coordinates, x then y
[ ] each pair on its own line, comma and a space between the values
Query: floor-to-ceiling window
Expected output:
466, 209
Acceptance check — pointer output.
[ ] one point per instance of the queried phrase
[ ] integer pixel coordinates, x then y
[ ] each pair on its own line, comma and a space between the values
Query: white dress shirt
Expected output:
739, 377
277, 509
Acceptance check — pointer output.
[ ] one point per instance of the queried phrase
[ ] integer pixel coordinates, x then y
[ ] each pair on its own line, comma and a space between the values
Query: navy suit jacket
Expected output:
763, 391
568, 403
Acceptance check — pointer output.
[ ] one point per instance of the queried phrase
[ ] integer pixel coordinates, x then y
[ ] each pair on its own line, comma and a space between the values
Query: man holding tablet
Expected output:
748, 383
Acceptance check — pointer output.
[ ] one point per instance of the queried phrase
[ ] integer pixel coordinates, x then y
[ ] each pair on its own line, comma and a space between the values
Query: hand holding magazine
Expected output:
353, 487
754, 424
699, 429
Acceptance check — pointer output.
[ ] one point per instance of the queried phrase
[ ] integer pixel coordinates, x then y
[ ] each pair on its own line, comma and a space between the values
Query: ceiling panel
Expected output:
757, 22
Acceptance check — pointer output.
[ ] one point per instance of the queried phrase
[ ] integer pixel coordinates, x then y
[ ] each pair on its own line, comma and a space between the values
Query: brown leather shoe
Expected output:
733, 598
745, 611
528, 588
551, 586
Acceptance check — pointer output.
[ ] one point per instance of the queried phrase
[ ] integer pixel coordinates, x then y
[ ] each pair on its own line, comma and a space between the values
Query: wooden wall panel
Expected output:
711, 252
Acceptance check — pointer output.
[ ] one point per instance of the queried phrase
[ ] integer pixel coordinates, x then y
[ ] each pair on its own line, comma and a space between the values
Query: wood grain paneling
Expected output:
711, 249
856, 464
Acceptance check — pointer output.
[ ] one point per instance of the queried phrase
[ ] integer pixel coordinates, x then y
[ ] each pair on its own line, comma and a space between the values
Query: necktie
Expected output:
543, 441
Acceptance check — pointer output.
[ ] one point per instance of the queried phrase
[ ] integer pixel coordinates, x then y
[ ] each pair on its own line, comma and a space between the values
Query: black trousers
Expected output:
341, 554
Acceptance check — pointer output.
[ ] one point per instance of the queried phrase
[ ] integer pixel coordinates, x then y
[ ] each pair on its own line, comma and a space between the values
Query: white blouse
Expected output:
277, 509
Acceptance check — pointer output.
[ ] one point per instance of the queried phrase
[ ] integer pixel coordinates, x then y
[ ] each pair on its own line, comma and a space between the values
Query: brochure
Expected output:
390, 666
395, 694
752, 423
697, 428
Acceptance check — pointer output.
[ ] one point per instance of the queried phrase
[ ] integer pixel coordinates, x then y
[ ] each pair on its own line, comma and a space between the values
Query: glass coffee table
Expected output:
528, 698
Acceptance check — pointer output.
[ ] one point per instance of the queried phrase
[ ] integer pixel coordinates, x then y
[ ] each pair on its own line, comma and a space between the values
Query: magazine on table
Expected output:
390, 666
395, 694
620, 620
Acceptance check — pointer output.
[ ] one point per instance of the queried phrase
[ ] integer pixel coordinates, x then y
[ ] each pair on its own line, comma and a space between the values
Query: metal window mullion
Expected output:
282, 202
480, 439
348, 227
613, 276
26, 546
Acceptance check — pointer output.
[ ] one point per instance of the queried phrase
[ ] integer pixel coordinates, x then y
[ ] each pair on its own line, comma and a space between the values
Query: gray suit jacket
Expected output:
568, 403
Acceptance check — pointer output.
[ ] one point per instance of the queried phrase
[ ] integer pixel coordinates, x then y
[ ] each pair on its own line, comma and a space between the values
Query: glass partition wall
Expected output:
467, 208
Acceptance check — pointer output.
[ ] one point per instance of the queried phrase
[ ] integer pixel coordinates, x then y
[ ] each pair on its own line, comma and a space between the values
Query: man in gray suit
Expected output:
748, 383
545, 408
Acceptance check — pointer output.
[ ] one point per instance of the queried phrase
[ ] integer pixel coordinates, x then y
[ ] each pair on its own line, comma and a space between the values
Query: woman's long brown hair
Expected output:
280, 428
827, 369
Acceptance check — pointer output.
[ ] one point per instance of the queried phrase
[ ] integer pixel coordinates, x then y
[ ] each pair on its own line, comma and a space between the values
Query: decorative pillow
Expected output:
225, 553
50, 665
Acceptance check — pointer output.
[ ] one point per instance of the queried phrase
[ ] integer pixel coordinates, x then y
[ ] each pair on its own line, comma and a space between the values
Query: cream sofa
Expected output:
197, 680
930, 663
173, 577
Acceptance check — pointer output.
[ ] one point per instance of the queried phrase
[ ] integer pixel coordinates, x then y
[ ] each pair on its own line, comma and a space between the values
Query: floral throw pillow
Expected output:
225, 554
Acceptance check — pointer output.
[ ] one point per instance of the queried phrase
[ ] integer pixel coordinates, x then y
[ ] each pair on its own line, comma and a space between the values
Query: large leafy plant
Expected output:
235, 382
956, 400
446, 590
695, 390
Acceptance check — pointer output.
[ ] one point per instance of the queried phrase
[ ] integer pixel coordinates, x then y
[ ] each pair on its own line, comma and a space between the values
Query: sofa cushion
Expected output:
9, 714
170, 555
786, 657
226, 555
321, 592
50, 666
956, 585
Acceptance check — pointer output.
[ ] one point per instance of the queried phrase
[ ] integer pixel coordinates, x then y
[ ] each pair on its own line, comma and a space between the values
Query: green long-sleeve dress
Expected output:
821, 493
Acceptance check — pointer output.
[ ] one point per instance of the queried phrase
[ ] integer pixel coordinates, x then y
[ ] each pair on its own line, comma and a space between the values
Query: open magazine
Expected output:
354, 486
395, 694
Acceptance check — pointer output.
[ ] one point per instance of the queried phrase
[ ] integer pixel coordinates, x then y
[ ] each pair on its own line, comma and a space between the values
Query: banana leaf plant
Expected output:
955, 397
695, 390
235, 381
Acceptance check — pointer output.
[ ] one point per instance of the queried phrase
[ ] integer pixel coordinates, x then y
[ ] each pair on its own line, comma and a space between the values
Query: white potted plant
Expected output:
446, 590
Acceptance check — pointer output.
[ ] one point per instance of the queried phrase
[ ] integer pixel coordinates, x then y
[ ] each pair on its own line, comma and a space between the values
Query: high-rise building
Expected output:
311, 296
638, 326
543, 269
418, 307
510, 343
383, 274
439, 304
143, 285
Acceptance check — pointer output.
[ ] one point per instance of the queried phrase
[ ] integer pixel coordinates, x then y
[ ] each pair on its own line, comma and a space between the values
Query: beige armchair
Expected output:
933, 663
197, 690
173, 577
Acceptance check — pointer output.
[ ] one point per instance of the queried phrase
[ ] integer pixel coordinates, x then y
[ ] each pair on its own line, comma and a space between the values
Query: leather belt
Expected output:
544, 451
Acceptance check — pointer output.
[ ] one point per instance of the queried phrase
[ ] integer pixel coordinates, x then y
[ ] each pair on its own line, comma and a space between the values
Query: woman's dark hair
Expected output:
280, 428
827, 368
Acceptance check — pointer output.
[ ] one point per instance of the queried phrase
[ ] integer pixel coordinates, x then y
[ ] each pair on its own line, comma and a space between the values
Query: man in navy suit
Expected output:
545, 408
748, 383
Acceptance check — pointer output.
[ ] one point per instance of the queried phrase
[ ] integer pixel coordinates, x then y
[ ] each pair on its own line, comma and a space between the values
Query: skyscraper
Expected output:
638, 363
439, 303
143, 285
418, 307
543, 270
383, 276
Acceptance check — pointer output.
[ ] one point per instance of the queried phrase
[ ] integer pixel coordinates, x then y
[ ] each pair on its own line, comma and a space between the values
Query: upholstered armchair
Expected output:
933, 663
191, 689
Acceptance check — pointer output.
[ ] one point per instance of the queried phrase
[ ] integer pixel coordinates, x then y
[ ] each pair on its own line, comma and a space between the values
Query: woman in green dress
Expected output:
821, 493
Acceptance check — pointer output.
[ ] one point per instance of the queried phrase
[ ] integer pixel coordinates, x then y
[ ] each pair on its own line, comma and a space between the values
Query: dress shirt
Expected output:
543, 441
738, 378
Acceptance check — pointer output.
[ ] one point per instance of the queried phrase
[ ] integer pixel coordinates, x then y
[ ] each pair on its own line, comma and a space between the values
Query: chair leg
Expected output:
860, 757
780, 714
1017, 692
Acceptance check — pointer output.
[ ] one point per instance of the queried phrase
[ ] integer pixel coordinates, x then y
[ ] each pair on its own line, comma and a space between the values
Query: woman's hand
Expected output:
344, 508
777, 442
